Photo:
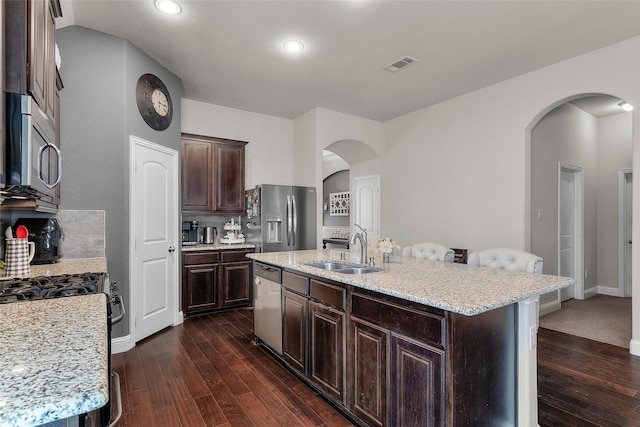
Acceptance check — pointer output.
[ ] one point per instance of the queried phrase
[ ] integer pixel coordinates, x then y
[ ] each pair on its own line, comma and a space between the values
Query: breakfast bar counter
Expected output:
49, 370
459, 288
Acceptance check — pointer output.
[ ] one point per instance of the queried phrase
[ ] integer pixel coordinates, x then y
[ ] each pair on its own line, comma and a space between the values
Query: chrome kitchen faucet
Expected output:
363, 243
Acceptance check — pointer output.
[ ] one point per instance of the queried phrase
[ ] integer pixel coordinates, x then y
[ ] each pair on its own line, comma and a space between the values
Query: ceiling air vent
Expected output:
399, 64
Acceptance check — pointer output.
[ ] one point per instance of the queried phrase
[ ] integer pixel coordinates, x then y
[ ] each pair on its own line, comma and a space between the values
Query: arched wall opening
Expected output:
591, 133
340, 161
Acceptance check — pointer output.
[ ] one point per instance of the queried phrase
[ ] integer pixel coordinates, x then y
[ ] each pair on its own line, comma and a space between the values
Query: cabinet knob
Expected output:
172, 249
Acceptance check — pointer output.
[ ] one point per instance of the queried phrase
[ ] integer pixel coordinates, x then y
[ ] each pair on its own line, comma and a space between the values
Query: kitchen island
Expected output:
417, 343
51, 369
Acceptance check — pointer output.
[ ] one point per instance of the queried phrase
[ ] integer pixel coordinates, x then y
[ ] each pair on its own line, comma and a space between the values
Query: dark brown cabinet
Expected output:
412, 341
326, 348
385, 361
295, 308
213, 280
212, 175
235, 279
3, 178
327, 333
417, 383
30, 50
314, 331
368, 364
200, 281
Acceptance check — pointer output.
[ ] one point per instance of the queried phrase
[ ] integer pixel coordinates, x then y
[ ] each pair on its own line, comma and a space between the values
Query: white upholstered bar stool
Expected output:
429, 250
507, 259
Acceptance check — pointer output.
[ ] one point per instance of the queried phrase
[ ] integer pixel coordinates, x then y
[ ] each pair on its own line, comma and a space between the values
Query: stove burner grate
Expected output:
45, 287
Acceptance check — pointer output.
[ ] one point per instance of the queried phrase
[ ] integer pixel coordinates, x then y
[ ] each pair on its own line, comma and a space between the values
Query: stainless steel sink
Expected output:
359, 270
343, 267
328, 265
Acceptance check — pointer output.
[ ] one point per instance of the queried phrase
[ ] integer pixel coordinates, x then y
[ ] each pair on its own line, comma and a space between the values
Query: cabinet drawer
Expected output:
329, 294
201, 258
230, 256
295, 283
412, 323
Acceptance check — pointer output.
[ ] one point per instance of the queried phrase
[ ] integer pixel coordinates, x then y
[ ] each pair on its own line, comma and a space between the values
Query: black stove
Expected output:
46, 287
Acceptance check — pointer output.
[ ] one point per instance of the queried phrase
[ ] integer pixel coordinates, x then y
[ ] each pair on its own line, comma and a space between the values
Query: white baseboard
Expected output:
126, 343
179, 318
634, 347
609, 290
122, 344
591, 292
548, 307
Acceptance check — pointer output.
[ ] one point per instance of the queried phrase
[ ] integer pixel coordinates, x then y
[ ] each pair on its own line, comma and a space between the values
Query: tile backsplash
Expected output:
84, 233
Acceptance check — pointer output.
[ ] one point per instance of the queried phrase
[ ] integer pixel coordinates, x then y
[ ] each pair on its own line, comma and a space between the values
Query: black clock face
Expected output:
154, 102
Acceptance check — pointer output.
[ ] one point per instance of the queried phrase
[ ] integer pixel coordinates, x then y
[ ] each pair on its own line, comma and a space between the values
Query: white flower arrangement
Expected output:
387, 245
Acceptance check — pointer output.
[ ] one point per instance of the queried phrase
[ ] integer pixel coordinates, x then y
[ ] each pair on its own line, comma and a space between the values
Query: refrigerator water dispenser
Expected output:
274, 228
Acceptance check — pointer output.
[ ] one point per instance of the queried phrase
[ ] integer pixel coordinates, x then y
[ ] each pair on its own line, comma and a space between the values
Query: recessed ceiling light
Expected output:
626, 106
169, 7
293, 46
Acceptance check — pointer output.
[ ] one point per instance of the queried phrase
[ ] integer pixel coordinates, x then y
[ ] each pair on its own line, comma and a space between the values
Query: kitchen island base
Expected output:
417, 342
384, 361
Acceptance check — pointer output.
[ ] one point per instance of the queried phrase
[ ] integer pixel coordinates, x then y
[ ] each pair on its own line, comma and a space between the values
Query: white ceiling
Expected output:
230, 52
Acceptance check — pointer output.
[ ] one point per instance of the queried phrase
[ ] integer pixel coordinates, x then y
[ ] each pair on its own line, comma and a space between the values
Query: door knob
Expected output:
172, 249
629, 241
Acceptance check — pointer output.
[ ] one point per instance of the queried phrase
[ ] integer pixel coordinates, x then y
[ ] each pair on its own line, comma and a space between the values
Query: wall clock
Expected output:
154, 102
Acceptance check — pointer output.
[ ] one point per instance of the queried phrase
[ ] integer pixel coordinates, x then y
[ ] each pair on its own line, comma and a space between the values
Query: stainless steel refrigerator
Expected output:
280, 218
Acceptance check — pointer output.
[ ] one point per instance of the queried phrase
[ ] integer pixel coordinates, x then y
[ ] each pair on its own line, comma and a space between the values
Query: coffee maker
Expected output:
46, 233
190, 232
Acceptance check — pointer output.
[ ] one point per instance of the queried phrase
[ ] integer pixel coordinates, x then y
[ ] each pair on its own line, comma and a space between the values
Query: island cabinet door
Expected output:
368, 368
417, 382
294, 329
326, 348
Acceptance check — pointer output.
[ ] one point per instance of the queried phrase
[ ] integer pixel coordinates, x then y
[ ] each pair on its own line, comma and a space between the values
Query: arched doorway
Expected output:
350, 159
587, 137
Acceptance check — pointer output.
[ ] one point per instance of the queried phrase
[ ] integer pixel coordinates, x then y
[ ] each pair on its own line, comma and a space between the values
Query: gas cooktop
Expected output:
46, 287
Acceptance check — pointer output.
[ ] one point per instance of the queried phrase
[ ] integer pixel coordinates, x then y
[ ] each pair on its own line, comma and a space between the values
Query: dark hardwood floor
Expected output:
207, 372
586, 383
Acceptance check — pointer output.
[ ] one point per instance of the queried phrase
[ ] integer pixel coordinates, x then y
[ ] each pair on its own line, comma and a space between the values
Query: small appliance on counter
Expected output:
190, 232
209, 235
46, 234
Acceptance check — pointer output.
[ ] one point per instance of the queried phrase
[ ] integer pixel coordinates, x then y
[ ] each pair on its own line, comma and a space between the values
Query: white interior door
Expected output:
154, 268
570, 229
366, 204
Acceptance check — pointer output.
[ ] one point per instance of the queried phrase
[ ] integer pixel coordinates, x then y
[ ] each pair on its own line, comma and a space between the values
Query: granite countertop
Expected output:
48, 371
217, 247
459, 288
66, 266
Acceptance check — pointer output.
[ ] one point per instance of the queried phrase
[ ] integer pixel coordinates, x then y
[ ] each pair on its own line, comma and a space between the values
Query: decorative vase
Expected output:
385, 256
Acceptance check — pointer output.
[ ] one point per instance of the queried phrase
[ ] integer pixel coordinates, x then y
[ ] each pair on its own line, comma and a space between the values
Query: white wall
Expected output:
269, 154
614, 153
457, 170
568, 135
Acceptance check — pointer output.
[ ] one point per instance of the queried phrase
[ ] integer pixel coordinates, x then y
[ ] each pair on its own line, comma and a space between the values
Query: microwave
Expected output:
33, 161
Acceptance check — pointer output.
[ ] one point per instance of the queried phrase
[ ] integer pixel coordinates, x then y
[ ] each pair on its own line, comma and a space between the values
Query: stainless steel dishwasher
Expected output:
267, 313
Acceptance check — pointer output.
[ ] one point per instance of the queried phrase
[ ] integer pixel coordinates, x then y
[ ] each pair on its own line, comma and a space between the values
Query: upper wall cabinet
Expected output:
29, 29
212, 175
